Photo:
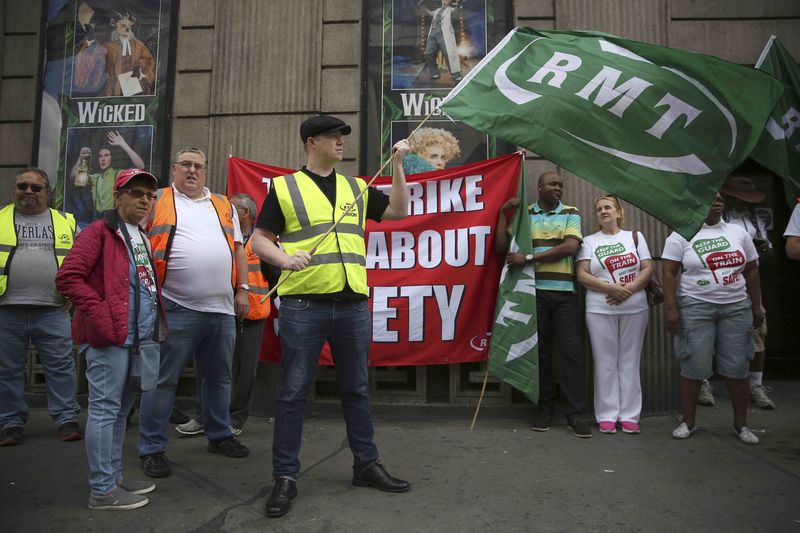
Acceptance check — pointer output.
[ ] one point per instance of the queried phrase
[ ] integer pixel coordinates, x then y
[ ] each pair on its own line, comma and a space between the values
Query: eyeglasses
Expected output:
34, 187
138, 193
189, 164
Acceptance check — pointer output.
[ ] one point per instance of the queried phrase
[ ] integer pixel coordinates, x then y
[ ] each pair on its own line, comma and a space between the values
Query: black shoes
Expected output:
280, 501
579, 427
544, 419
230, 447
377, 476
285, 489
156, 465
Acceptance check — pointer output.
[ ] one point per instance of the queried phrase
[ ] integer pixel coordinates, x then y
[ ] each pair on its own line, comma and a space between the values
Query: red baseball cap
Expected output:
124, 176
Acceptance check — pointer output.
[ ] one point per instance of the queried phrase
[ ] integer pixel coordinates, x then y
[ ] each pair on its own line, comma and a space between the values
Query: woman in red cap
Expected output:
108, 276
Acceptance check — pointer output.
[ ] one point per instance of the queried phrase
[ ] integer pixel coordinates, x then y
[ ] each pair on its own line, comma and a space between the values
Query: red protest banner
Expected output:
433, 276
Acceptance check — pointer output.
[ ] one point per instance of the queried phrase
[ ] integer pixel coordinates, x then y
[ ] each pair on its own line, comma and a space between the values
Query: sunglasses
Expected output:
34, 187
138, 193
188, 164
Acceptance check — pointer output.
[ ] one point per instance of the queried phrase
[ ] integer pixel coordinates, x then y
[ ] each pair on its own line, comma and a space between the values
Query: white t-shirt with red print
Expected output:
713, 262
613, 259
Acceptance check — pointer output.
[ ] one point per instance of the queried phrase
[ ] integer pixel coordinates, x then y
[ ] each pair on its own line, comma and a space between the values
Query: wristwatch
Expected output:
529, 258
244, 286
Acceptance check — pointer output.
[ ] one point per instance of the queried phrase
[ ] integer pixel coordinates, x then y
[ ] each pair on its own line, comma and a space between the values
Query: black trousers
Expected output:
558, 318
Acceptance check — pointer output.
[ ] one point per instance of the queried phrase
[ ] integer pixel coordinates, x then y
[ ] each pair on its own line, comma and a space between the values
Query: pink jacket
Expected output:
95, 276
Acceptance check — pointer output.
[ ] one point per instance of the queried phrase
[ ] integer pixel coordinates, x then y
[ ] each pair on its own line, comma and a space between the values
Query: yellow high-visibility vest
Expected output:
342, 255
63, 232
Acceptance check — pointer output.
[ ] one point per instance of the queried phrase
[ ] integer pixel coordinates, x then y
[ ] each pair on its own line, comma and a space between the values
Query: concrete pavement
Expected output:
499, 477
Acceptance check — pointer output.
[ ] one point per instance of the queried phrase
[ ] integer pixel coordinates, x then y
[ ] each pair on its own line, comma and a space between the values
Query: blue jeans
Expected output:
110, 402
209, 337
49, 329
305, 326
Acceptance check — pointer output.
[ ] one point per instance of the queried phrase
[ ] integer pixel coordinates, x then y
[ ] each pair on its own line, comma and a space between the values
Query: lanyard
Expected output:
137, 296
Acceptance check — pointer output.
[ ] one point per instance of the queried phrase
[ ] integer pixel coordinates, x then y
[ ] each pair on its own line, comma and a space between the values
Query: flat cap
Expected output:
322, 124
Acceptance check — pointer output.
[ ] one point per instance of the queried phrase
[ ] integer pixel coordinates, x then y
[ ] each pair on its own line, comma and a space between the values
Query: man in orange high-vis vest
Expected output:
251, 329
200, 262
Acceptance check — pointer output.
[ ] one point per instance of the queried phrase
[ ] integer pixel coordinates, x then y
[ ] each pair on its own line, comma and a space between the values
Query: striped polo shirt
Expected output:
549, 229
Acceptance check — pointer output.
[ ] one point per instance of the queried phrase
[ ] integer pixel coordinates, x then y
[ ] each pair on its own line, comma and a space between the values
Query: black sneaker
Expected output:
579, 427
156, 465
543, 420
229, 446
70, 431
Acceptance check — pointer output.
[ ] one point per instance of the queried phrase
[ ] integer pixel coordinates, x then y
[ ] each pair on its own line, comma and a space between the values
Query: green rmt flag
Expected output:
659, 127
513, 350
778, 149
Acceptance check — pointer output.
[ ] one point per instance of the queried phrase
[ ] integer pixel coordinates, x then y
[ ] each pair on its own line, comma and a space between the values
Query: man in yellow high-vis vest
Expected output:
34, 240
325, 299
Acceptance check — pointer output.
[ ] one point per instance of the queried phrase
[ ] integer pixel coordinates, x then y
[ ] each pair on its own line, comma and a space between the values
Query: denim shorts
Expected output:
706, 329
760, 335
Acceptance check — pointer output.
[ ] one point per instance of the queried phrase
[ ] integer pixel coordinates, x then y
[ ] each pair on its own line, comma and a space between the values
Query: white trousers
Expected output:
617, 349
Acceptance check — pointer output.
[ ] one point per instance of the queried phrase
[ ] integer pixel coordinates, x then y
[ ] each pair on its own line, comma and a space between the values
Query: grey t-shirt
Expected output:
32, 272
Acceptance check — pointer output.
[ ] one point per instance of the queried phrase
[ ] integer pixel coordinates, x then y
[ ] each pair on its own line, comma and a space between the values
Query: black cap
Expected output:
322, 124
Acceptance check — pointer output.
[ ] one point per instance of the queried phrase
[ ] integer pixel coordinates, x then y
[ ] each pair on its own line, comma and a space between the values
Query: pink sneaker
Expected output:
607, 427
631, 427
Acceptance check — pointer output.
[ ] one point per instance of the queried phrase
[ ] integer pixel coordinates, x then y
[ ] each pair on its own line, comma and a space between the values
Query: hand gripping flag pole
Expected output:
346, 211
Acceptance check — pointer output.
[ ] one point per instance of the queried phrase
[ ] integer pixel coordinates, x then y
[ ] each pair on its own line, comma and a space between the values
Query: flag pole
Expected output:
346, 211
480, 399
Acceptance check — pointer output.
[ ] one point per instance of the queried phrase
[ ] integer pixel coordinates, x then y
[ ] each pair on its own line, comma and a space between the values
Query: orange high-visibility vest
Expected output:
162, 222
258, 286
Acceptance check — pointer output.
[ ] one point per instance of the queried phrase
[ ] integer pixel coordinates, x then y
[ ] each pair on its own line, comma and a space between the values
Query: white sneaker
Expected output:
192, 427
683, 431
706, 396
746, 436
758, 393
